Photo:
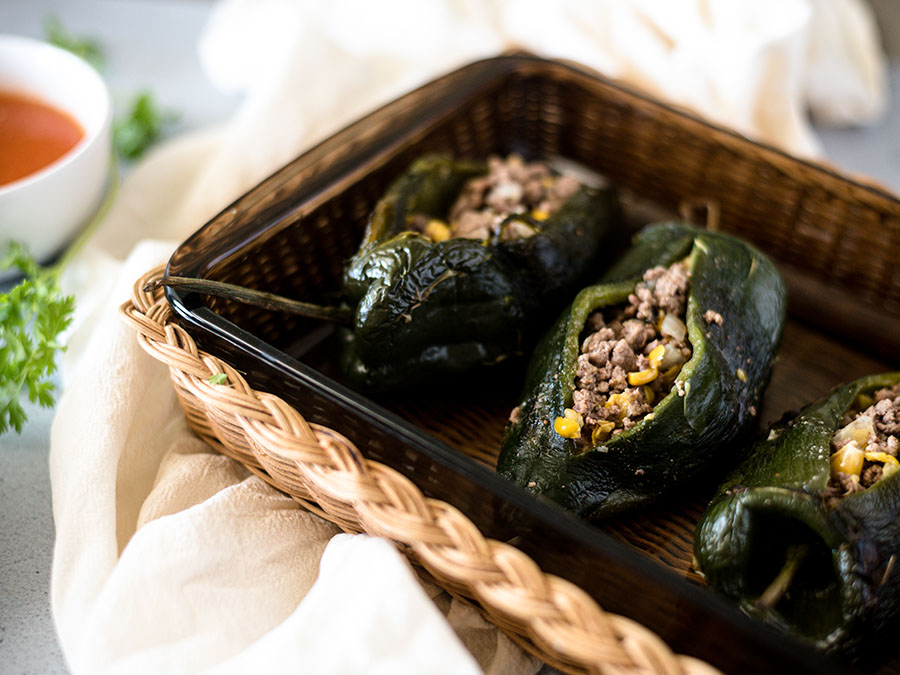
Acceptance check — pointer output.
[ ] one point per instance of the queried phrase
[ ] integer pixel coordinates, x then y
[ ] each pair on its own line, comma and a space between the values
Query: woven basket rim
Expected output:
239, 434
549, 616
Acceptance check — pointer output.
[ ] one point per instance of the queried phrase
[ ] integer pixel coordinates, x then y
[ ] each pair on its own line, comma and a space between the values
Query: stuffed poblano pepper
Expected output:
648, 377
806, 531
462, 261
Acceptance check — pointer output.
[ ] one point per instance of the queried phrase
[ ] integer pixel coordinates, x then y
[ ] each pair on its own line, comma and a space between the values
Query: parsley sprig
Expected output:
86, 48
142, 126
143, 122
33, 316
35, 313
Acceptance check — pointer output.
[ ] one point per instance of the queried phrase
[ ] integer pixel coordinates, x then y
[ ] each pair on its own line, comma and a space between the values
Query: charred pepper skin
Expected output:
846, 587
687, 433
428, 309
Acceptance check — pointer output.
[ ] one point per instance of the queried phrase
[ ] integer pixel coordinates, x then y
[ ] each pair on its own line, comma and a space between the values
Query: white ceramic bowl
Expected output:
45, 209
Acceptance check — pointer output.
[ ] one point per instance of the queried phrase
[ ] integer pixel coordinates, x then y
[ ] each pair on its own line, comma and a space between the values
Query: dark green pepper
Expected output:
712, 403
771, 519
427, 308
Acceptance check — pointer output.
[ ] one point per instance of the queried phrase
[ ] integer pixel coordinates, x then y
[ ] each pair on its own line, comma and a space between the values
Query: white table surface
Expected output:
151, 44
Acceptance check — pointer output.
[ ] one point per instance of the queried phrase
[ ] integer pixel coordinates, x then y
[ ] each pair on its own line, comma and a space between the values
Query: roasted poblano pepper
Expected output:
773, 540
712, 401
428, 308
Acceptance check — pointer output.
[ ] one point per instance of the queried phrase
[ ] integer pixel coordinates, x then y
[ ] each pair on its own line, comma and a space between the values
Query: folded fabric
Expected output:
757, 66
170, 557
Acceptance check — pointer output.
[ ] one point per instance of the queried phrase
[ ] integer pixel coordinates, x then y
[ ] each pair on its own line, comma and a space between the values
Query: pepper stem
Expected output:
781, 583
250, 296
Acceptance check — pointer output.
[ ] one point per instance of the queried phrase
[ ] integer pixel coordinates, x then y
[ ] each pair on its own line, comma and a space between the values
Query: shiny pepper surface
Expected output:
430, 309
714, 398
847, 583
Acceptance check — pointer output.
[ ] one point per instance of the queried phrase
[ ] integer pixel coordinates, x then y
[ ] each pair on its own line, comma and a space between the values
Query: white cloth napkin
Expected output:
172, 558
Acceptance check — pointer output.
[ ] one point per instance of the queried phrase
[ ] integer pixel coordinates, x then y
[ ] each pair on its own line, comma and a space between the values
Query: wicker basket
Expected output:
414, 471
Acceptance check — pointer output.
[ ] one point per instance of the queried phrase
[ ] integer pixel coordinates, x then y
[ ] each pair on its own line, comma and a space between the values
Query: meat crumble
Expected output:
711, 316
510, 187
630, 357
864, 450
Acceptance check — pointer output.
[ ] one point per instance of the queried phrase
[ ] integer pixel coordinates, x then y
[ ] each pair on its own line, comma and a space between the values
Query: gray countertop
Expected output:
130, 30
147, 45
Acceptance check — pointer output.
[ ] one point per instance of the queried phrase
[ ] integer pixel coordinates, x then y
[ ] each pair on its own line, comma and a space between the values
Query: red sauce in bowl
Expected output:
32, 135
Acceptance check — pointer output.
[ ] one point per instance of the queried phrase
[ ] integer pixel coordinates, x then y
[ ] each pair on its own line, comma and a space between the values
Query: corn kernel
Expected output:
848, 460
574, 415
882, 457
649, 395
655, 357
621, 401
602, 431
540, 214
437, 230
642, 377
548, 181
741, 375
567, 428
671, 373
860, 430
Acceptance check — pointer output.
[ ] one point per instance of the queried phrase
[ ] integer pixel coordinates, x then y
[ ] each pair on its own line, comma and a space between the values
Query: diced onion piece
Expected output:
506, 191
848, 460
574, 415
672, 356
673, 327
860, 430
516, 229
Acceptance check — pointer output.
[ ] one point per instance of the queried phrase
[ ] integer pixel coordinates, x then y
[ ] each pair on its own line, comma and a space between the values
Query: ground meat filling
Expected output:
865, 449
511, 186
630, 356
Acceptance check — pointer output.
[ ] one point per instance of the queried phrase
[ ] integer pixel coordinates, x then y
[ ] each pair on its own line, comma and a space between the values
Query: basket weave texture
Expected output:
326, 474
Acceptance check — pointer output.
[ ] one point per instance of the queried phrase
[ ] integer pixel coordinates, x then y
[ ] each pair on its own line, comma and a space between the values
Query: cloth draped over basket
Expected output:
169, 556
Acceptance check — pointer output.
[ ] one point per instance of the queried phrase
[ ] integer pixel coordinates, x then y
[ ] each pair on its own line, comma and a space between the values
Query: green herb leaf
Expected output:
86, 48
218, 378
143, 124
32, 316
34, 313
